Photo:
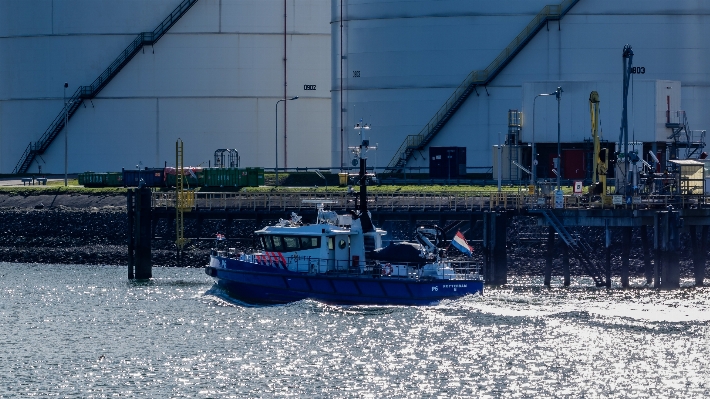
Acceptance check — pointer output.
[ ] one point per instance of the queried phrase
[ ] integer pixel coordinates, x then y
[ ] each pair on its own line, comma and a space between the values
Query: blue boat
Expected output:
340, 260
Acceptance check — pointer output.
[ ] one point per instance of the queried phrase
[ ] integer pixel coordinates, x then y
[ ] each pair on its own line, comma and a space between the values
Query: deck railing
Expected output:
449, 270
439, 202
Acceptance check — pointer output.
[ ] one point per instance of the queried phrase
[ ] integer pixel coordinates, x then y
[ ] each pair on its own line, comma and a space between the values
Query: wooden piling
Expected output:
500, 254
625, 254
667, 248
700, 267
647, 266
130, 211
549, 255
607, 263
142, 234
565, 266
487, 266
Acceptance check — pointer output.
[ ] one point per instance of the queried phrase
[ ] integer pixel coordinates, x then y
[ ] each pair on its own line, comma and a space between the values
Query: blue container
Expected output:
152, 177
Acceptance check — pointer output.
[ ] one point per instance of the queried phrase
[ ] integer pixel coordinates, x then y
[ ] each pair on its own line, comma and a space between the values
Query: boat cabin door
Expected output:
339, 251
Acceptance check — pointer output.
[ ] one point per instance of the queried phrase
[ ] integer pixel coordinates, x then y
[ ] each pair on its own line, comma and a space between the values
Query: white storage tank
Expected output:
402, 60
213, 80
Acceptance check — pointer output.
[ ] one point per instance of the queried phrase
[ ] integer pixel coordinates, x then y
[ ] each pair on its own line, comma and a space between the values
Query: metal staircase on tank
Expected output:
580, 248
692, 140
417, 142
89, 92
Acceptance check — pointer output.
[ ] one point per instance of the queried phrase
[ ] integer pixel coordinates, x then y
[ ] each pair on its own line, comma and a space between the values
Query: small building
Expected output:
691, 178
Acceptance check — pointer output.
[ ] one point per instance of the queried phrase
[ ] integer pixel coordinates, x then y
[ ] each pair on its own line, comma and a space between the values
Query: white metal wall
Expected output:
212, 80
411, 55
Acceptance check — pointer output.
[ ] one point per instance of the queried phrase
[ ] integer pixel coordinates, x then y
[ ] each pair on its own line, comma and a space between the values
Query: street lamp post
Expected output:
558, 93
534, 155
276, 139
66, 133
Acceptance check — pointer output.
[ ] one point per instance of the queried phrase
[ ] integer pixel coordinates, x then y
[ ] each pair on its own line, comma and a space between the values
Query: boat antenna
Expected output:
367, 225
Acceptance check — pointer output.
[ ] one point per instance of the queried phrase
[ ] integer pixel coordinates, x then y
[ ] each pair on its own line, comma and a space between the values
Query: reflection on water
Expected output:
83, 331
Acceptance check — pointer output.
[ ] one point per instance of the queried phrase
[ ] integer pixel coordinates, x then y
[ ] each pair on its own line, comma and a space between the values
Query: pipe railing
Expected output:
483, 77
439, 202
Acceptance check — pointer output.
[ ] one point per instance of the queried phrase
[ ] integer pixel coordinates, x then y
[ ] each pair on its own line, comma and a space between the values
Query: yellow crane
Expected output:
601, 160
184, 199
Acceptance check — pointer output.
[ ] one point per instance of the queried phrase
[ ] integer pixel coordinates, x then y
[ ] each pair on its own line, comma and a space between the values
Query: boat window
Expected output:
310, 242
266, 242
291, 243
331, 243
278, 243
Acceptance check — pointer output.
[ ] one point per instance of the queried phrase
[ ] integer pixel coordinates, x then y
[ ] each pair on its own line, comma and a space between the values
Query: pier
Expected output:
485, 218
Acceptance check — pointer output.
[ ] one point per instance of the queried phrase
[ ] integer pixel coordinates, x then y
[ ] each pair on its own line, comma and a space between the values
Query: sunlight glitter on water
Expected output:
78, 331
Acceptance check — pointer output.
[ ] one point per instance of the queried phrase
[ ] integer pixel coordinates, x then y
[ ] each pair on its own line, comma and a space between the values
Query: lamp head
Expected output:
66, 85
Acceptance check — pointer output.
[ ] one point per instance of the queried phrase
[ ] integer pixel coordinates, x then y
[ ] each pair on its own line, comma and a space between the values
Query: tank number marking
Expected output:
638, 70
356, 74
309, 87
435, 288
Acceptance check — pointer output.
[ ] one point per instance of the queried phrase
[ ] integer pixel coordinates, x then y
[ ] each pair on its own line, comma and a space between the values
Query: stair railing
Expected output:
89, 92
480, 78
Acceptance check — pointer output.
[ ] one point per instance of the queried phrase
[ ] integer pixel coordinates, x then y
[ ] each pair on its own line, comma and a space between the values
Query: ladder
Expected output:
475, 78
89, 92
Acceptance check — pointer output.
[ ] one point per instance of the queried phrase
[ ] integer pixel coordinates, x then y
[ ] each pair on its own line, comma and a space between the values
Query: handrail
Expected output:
477, 77
449, 201
89, 92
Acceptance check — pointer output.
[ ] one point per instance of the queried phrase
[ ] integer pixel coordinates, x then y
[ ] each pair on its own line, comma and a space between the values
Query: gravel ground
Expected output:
84, 229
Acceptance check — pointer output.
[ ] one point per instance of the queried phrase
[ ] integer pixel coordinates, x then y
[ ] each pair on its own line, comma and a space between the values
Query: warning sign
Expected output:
578, 187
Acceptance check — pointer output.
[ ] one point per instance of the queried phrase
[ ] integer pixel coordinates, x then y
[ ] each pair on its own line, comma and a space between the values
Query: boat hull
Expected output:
254, 283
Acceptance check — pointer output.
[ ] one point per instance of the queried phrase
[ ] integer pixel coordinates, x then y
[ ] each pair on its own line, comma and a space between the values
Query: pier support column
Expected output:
607, 263
565, 265
700, 270
500, 253
494, 248
141, 231
487, 266
647, 267
699, 253
130, 212
625, 254
667, 245
549, 254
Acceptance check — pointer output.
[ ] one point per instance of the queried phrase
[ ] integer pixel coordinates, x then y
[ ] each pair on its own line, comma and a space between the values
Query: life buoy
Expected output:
387, 269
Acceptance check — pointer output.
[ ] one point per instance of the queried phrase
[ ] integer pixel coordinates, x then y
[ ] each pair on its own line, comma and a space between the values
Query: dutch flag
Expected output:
461, 244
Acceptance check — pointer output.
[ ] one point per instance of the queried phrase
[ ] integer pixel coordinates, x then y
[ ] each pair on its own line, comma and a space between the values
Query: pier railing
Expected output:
440, 202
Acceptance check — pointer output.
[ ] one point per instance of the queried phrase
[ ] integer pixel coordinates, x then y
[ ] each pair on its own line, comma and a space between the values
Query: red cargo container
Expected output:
573, 164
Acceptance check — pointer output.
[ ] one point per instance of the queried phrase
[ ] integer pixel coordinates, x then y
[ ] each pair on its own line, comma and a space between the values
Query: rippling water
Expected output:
83, 331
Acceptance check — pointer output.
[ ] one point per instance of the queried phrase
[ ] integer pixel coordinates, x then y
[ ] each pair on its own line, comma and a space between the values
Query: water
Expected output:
85, 331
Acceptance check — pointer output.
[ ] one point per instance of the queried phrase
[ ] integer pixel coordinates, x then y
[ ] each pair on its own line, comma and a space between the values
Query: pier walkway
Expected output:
670, 227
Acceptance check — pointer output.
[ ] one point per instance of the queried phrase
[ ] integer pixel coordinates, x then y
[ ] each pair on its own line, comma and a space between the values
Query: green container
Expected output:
252, 177
114, 179
92, 179
210, 177
242, 178
260, 176
82, 178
